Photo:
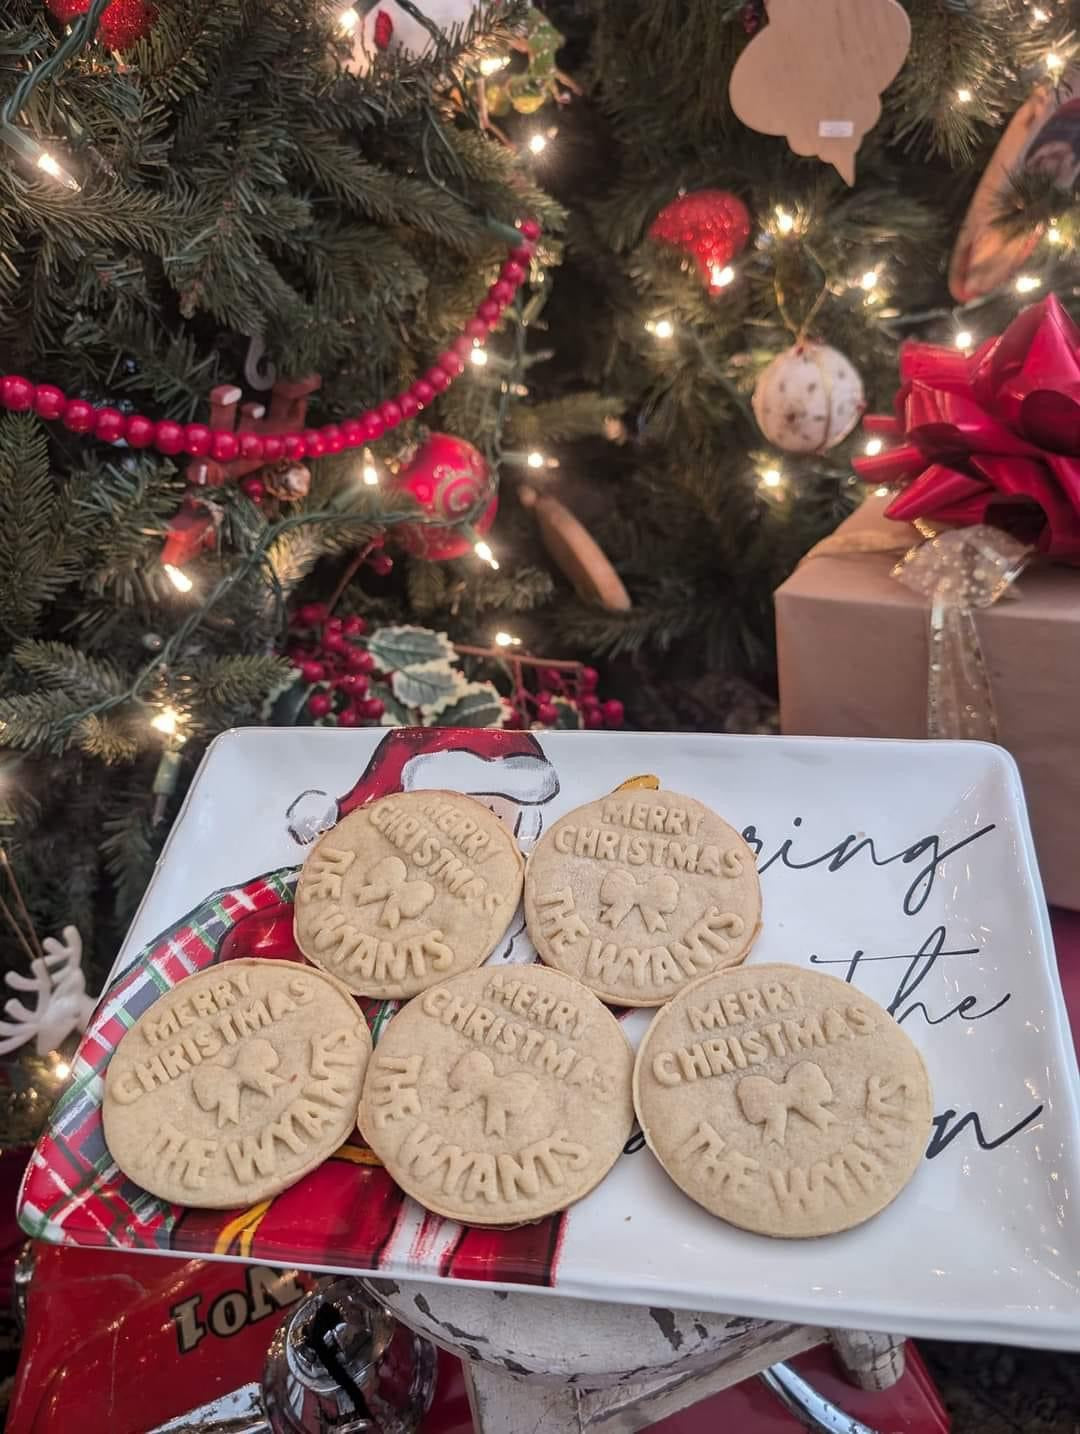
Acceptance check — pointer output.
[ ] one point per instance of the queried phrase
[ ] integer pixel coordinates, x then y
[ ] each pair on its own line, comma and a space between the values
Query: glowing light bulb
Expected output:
721, 278
482, 550
492, 64
963, 97
348, 20
506, 639
873, 447
869, 280
370, 474
1027, 282
1054, 64
772, 478
166, 721
538, 143
49, 165
179, 579
785, 222
1039, 16
881, 492
479, 357
964, 339
1054, 235
663, 328
535, 460
63, 1070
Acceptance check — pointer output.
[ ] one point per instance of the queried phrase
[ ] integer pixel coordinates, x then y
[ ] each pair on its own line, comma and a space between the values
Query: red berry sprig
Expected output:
110, 425
573, 685
333, 659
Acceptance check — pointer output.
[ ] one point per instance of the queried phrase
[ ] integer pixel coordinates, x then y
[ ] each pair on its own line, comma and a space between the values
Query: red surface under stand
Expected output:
123, 1342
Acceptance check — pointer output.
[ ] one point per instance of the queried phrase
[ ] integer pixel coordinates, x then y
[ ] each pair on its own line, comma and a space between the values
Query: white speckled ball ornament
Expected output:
808, 399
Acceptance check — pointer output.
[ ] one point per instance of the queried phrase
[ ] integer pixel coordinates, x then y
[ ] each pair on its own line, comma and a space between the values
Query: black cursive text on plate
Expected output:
919, 965
838, 856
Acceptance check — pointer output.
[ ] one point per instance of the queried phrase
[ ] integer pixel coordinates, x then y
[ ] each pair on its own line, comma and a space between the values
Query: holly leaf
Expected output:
424, 684
474, 704
286, 706
397, 648
569, 717
395, 713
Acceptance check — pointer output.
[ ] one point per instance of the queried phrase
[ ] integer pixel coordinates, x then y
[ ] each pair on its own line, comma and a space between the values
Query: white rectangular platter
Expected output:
906, 868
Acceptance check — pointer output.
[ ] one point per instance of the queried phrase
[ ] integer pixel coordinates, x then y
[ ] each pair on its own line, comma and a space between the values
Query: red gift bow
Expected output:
1000, 428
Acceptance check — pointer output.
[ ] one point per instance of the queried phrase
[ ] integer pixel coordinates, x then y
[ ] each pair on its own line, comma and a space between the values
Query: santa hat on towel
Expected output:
507, 771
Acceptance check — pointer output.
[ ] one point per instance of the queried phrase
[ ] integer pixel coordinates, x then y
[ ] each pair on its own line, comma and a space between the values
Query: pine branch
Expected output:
59, 667
237, 682
39, 555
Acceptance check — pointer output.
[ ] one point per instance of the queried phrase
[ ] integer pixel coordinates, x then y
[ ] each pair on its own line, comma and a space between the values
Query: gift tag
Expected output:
1043, 137
815, 74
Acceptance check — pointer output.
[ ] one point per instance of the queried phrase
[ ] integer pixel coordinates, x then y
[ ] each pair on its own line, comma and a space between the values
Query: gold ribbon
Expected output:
959, 570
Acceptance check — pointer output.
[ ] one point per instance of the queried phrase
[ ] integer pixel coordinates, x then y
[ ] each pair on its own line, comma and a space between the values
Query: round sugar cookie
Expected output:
406, 891
783, 1100
235, 1083
640, 893
500, 1096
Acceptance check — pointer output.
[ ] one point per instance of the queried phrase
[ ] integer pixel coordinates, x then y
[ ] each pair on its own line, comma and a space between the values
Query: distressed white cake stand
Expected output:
553, 1365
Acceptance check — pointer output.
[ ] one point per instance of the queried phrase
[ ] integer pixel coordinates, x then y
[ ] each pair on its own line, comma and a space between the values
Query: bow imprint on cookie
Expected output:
620, 893
805, 1090
219, 1086
473, 1078
401, 899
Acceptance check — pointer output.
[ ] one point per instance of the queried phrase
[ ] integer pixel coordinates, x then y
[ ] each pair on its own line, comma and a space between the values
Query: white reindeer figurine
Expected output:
62, 1004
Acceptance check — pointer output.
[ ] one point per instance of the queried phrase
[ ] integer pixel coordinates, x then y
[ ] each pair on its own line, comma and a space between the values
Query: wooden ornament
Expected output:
1043, 137
575, 552
816, 72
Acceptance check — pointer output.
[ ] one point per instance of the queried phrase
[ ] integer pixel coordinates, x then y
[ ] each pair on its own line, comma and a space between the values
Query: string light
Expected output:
482, 550
348, 20
179, 579
772, 478
721, 278
492, 64
964, 339
881, 492
869, 280
63, 1070
1039, 16
1054, 234
479, 357
963, 97
38, 156
369, 472
538, 143
785, 222
662, 328
506, 639
1027, 282
1054, 64
873, 447
535, 460
166, 722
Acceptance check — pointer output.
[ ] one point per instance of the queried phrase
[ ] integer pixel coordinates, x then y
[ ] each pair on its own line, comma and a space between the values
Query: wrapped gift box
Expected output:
852, 648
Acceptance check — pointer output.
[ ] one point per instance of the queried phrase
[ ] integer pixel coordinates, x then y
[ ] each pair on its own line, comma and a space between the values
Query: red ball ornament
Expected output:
712, 225
447, 477
125, 22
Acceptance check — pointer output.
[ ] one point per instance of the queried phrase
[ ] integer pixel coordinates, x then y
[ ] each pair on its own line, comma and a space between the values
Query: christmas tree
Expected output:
701, 248
199, 201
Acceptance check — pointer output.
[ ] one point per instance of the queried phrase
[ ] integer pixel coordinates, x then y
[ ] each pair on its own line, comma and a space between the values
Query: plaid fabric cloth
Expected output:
73, 1192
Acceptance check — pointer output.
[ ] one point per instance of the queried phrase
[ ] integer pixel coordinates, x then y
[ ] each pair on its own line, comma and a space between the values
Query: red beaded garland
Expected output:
16, 392
107, 423
197, 439
49, 400
140, 431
